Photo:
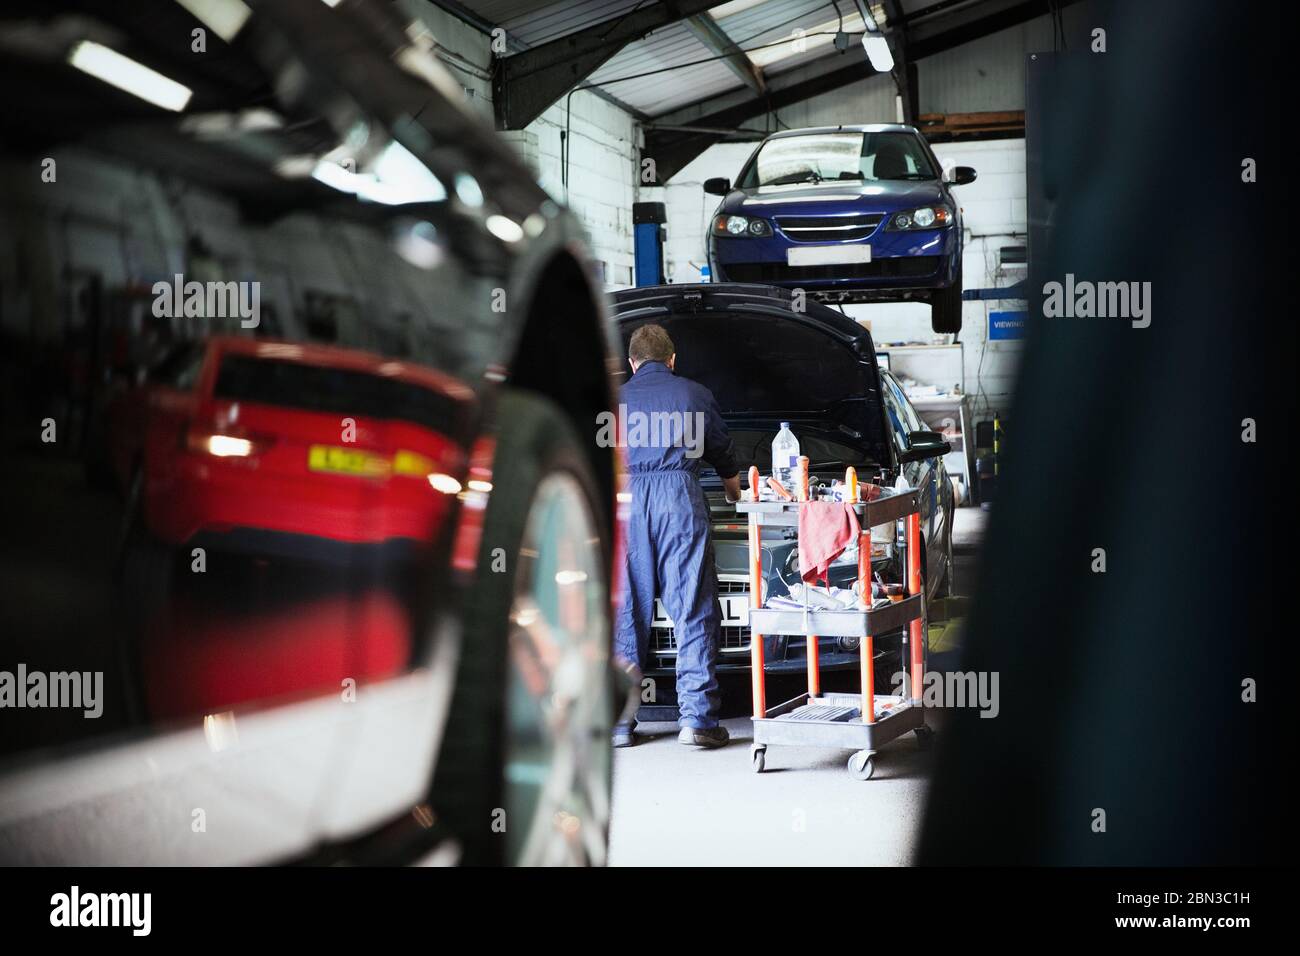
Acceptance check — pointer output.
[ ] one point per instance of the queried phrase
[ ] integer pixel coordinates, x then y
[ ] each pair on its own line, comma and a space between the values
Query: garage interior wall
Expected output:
602, 160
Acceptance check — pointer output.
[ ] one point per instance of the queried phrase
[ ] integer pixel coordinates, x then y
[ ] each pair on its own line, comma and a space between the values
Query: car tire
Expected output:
536, 447
945, 308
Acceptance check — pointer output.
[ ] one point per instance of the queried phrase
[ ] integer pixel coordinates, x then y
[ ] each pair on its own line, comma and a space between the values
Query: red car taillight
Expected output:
225, 442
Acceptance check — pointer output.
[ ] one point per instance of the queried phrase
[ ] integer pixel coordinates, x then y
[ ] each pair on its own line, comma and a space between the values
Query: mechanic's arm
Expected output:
719, 451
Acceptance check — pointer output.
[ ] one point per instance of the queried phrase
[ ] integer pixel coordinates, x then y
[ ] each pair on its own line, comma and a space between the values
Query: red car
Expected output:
267, 445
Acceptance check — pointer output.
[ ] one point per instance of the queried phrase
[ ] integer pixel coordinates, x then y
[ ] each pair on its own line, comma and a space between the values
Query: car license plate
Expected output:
735, 611
347, 461
828, 255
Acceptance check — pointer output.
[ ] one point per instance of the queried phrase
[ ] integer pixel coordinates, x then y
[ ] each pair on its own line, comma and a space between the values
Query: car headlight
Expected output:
738, 227
927, 217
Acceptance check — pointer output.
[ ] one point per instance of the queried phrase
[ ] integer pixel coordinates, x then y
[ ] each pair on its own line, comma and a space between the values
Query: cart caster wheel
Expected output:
924, 737
861, 766
758, 758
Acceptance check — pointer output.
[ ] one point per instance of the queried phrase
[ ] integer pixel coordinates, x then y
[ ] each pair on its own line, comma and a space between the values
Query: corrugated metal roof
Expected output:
754, 25
667, 47
777, 21
536, 21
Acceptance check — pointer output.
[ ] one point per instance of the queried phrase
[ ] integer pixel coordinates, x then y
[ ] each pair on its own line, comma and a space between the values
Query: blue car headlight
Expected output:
740, 227
926, 217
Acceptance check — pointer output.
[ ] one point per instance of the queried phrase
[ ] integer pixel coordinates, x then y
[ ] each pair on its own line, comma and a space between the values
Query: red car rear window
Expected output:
332, 390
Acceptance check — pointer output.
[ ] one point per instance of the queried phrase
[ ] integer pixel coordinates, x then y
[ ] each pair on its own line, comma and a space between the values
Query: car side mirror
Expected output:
717, 186
960, 176
922, 445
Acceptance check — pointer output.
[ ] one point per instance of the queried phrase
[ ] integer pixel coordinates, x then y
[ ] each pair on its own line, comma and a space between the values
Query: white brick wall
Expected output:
602, 170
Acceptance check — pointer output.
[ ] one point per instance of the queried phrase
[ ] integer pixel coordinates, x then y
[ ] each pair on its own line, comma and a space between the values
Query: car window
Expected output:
910, 417
267, 195
898, 423
851, 156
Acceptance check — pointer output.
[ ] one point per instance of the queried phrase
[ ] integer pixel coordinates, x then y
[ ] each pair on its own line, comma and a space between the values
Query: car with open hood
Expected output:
767, 362
848, 214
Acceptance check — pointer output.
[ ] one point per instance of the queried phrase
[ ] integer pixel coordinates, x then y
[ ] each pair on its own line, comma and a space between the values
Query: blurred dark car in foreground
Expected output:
342, 562
767, 363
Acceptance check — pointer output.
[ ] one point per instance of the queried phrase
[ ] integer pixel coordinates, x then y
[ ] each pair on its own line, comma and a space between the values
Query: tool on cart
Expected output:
860, 722
779, 488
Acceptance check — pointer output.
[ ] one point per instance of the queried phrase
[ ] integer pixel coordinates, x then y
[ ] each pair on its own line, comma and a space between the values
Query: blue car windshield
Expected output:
838, 157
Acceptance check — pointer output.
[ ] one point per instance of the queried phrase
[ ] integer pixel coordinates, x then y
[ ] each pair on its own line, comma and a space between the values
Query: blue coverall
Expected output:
669, 544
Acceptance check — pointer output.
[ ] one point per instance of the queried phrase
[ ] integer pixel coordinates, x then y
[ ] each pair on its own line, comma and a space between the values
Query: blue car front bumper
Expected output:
904, 265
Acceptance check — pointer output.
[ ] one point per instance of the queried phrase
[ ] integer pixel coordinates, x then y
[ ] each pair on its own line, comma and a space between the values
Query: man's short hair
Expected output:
650, 343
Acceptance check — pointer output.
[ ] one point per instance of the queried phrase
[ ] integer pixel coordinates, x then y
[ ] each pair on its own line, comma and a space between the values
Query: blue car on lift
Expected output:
848, 214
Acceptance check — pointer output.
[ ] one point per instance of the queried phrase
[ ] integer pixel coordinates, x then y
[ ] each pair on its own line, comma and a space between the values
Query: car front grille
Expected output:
663, 640
829, 228
893, 267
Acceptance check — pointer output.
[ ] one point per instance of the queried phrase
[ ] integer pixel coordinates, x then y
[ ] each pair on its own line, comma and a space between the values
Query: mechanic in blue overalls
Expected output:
669, 544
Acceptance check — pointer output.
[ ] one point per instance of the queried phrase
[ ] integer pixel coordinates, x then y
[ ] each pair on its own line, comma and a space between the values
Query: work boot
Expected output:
623, 736
704, 736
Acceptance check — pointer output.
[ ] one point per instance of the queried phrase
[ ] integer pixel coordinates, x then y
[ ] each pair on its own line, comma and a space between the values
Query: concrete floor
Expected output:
681, 806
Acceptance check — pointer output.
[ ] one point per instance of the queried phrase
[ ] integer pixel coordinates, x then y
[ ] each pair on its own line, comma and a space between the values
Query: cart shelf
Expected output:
835, 720
889, 507
831, 623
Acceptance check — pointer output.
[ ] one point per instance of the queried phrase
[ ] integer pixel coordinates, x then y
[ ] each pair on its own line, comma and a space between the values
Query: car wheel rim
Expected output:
558, 694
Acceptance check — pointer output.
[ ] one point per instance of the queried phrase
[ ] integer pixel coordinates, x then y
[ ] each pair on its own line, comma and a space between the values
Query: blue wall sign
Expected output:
1007, 325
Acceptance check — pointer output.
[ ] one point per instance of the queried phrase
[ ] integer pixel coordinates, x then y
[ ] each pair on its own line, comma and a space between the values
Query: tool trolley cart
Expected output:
862, 722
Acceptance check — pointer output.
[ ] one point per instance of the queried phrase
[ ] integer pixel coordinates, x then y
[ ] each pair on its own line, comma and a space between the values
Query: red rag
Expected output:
826, 528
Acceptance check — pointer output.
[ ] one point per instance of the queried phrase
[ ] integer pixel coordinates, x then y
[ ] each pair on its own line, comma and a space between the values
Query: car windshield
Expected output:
839, 157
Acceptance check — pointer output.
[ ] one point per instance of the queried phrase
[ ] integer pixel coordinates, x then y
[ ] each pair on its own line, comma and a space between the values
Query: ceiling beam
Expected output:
950, 30
513, 45
672, 149
708, 32
528, 82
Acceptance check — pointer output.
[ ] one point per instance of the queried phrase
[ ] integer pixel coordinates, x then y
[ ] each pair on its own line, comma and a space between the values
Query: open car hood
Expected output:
765, 362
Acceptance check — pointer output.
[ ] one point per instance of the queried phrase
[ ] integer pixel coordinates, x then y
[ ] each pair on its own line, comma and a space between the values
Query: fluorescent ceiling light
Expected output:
126, 74
225, 18
878, 52
814, 36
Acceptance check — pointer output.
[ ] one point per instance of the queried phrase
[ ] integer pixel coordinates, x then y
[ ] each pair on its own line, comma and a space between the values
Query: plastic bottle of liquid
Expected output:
785, 457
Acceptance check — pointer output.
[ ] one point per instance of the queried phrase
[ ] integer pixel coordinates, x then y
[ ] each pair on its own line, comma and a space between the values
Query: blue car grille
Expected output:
829, 228
890, 267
